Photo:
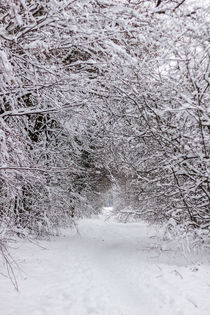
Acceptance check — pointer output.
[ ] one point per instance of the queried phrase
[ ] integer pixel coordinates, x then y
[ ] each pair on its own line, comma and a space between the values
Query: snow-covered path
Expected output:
109, 269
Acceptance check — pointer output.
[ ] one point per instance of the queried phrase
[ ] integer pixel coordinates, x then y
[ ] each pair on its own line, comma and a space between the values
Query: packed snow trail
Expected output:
108, 269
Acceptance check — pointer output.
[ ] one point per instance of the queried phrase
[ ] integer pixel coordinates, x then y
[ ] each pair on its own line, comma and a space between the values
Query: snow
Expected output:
108, 268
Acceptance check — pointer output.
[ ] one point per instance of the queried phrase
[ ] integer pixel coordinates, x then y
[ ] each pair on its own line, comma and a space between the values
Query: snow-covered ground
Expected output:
109, 269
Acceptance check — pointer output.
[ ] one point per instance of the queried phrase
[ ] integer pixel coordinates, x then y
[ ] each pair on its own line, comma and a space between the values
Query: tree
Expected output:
166, 122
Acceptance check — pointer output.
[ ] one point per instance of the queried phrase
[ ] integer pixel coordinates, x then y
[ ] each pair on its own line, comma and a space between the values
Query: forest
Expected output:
101, 97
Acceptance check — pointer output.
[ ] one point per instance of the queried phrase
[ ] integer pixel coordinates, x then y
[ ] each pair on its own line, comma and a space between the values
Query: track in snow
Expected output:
109, 269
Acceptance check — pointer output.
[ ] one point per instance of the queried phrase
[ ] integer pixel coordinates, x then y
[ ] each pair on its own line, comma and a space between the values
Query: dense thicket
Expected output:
101, 94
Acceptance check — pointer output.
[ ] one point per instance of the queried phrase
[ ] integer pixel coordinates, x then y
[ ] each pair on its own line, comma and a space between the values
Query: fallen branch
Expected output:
8, 261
